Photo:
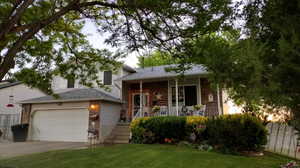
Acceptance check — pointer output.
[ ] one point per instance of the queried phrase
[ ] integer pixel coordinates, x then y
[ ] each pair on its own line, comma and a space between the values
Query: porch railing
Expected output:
164, 111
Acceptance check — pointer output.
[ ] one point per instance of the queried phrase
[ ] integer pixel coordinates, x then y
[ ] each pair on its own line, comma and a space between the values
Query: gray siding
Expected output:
109, 117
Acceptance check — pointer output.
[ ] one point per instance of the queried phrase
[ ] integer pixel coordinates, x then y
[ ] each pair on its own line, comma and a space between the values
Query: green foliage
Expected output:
228, 133
171, 127
236, 133
260, 65
46, 37
155, 59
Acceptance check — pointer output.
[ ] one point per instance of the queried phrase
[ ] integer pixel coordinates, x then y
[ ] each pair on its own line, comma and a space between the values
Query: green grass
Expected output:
141, 156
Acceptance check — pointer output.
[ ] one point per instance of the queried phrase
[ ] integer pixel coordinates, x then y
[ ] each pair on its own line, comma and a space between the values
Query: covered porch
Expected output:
189, 96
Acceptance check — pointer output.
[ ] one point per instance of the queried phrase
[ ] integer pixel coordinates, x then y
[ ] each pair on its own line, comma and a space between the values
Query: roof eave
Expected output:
66, 100
165, 77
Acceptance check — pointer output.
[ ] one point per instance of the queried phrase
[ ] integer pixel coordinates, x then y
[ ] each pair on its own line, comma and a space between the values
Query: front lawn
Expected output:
141, 156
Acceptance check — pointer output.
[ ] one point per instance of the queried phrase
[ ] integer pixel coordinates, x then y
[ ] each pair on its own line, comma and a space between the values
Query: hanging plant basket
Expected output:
9, 105
94, 117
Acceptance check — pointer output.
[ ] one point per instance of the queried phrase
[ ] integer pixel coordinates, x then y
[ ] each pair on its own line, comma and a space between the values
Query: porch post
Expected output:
169, 98
218, 97
199, 91
141, 98
176, 88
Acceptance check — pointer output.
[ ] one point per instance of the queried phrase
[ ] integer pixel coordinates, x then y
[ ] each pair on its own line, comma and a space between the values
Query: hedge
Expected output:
162, 129
240, 132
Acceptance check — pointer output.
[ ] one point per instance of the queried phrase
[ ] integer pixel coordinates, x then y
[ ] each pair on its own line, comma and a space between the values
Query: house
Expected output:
174, 95
12, 92
77, 112
81, 113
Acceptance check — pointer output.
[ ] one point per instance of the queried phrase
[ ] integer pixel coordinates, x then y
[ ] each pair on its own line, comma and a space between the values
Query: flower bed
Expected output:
237, 133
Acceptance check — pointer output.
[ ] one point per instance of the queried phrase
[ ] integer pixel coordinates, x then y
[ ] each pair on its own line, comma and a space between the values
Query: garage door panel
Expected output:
60, 125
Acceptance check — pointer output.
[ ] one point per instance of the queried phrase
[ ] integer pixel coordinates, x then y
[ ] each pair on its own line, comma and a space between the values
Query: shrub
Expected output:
196, 125
228, 133
234, 133
168, 129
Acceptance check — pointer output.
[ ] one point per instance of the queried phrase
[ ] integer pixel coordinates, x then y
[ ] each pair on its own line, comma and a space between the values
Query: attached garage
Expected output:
60, 125
71, 117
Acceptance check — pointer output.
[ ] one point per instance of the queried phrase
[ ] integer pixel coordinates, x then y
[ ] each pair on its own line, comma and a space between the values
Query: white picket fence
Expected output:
6, 121
283, 139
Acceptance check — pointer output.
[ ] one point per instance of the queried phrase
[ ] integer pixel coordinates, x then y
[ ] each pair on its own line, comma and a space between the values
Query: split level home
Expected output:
81, 113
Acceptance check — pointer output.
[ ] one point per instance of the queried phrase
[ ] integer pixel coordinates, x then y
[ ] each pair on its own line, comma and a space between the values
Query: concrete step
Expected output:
123, 124
117, 129
122, 137
120, 134
116, 141
115, 133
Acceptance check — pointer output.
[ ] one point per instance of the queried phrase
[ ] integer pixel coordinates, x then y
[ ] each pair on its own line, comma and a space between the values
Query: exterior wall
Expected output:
211, 106
164, 88
60, 83
20, 92
229, 107
151, 89
94, 119
109, 117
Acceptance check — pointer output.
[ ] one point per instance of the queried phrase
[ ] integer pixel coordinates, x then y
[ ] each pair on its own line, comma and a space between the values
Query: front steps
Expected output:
119, 135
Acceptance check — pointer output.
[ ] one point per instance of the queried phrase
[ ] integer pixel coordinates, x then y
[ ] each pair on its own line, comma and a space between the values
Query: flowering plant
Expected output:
155, 109
198, 107
291, 164
168, 140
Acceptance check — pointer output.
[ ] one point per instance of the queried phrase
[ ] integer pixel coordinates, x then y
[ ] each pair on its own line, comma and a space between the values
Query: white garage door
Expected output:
60, 125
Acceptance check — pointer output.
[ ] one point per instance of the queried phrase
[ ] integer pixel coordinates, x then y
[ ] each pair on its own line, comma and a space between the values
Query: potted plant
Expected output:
155, 109
199, 109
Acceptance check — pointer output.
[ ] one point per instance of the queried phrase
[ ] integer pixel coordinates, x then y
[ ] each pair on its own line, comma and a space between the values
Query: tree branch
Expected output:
7, 25
8, 61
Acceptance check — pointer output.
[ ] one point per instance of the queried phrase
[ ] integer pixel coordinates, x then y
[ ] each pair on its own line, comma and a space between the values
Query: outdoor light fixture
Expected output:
93, 107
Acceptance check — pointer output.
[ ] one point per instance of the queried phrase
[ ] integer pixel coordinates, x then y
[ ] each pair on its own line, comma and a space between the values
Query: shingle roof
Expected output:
160, 72
84, 94
128, 68
6, 85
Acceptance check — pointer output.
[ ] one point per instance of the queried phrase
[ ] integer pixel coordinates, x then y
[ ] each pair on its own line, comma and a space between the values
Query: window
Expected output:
180, 96
187, 95
190, 95
71, 83
107, 78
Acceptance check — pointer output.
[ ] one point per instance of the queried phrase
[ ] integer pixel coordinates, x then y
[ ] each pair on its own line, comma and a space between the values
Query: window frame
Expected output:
111, 80
70, 85
183, 90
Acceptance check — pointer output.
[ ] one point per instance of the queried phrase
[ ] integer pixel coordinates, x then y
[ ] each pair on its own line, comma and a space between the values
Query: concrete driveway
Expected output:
9, 149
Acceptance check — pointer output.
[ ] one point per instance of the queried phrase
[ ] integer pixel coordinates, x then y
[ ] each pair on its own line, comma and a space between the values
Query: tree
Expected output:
260, 67
155, 59
43, 38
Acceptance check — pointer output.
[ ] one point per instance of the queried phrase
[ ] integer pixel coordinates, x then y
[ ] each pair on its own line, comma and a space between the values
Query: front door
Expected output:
136, 104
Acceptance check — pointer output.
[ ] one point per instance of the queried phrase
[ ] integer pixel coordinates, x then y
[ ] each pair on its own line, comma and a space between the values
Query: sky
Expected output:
97, 40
